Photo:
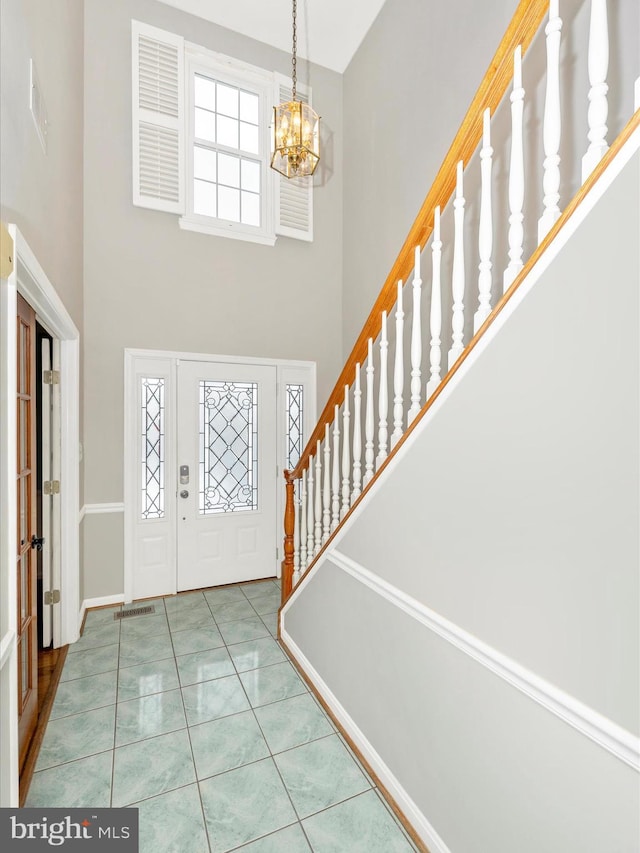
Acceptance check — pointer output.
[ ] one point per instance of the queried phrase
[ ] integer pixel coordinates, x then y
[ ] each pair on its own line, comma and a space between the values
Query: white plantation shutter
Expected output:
293, 196
158, 118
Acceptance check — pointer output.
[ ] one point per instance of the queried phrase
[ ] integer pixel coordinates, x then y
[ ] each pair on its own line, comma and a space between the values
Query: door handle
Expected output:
184, 493
37, 542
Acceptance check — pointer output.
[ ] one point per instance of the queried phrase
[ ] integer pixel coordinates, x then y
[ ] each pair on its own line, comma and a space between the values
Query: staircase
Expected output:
466, 509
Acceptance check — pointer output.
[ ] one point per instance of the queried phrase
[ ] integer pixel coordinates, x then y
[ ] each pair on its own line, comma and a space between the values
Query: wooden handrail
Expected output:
523, 27
632, 126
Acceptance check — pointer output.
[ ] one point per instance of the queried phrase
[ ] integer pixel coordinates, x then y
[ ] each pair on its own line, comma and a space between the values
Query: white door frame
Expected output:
286, 371
29, 279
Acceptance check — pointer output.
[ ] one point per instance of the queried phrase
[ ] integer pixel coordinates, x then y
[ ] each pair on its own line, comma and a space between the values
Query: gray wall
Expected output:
42, 193
148, 284
514, 513
405, 93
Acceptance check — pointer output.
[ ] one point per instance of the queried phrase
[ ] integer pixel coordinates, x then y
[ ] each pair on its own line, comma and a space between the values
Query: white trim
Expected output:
9, 795
6, 647
230, 359
284, 368
221, 228
586, 720
34, 285
407, 806
29, 279
81, 514
99, 509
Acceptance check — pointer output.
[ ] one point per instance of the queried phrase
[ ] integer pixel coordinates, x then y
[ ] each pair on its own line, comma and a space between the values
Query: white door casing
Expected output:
31, 281
47, 499
152, 545
227, 501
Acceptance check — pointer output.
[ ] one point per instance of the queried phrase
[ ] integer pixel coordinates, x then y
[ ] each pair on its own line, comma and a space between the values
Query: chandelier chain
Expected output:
294, 74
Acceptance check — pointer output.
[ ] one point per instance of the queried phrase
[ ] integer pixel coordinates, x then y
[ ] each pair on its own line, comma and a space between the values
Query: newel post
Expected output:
289, 525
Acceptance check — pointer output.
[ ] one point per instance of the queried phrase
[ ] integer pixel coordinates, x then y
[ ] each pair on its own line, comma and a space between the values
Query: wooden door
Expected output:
26, 563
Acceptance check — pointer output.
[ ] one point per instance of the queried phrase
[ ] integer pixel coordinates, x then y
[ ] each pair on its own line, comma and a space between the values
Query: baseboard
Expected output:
410, 811
100, 601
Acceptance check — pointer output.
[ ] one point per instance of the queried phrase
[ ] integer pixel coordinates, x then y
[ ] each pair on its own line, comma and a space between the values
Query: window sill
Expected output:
188, 223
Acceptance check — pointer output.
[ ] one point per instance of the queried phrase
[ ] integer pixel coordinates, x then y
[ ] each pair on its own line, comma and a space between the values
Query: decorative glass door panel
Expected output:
227, 492
228, 469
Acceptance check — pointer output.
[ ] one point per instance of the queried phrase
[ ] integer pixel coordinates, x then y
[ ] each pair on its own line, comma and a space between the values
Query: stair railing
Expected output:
345, 452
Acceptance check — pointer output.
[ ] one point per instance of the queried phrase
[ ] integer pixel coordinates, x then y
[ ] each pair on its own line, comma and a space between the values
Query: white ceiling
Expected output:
329, 31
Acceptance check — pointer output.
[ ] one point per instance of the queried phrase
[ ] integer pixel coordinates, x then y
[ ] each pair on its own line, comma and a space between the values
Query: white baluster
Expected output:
457, 284
552, 125
296, 532
326, 490
485, 239
346, 459
383, 395
357, 437
416, 341
310, 513
435, 317
369, 454
516, 176
304, 560
398, 372
318, 501
598, 105
335, 471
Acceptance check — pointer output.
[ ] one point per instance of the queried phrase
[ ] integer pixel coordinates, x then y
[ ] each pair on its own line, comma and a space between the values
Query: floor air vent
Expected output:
134, 611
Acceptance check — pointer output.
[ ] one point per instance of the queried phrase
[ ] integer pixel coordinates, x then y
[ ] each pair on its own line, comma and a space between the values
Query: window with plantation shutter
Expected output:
293, 196
158, 118
201, 141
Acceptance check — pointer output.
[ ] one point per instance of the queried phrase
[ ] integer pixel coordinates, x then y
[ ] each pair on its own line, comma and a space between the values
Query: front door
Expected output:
26, 561
227, 479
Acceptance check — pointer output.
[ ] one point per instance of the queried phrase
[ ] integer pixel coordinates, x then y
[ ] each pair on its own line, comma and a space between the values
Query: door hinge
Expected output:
51, 487
52, 596
51, 377
276, 553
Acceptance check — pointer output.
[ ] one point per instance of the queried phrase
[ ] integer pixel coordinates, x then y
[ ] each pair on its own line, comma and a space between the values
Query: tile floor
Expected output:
195, 716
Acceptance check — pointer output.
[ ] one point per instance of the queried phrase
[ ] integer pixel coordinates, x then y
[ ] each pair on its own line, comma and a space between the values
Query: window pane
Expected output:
205, 92
25, 519
228, 476
25, 603
251, 209
249, 138
205, 125
204, 163
204, 198
229, 170
228, 131
229, 204
294, 417
23, 435
249, 107
152, 447
251, 176
227, 101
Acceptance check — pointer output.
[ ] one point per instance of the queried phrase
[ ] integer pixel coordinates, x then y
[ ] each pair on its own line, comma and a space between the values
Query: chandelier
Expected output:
296, 129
